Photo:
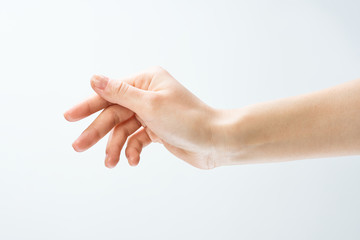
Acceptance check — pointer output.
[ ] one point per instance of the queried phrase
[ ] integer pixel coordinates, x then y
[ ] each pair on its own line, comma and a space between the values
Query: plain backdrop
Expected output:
230, 54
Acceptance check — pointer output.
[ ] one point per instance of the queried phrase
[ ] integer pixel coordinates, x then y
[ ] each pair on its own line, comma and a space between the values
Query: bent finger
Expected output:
117, 140
106, 120
135, 144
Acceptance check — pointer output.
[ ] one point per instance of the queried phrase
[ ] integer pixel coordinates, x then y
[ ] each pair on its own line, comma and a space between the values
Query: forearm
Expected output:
320, 124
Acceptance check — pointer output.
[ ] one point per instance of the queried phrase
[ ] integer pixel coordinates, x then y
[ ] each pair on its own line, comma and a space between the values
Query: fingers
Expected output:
119, 92
127, 92
107, 119
135, 144
86, 108
117, 140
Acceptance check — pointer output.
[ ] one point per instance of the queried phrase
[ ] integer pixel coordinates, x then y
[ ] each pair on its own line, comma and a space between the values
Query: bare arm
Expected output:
154, 107
320, 124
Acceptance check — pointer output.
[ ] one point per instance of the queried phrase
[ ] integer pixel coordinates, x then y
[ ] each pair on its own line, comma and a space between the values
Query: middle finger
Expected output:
106, 120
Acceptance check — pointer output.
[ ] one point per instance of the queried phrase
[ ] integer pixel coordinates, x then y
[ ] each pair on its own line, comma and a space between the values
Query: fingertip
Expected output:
76, 147
109, 163
99, 82
92, 81
133, 160
96, 76
68, 116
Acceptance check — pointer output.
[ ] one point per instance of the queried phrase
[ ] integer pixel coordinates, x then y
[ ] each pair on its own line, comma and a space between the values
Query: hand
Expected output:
148, 107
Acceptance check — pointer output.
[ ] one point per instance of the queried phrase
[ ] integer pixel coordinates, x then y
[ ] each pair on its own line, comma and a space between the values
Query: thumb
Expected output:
119, 92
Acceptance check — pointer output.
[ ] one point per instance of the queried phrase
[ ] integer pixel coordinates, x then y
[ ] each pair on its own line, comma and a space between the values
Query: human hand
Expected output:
148, 107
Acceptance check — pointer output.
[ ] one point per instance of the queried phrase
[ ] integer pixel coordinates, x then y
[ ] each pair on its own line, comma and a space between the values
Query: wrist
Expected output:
229, 136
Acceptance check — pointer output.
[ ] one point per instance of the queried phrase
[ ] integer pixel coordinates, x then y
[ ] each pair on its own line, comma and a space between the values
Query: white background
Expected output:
230, 54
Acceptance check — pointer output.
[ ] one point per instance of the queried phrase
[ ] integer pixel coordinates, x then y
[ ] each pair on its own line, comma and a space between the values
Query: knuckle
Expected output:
159, 68
155, 70
96, 133
120, 131
113, 112
124, 132
120, 89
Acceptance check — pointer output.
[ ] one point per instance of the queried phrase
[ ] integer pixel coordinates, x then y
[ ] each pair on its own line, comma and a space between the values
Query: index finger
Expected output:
86, 108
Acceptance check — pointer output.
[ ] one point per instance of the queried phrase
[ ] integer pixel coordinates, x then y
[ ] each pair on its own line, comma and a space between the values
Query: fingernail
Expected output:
131, 160
100, 82
107, 161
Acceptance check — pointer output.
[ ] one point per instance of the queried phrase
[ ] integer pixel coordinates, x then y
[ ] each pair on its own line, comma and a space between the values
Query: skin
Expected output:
152, 106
